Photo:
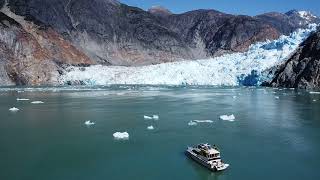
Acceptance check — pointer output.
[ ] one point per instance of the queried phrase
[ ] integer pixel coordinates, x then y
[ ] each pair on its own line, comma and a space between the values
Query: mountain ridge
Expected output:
112, 33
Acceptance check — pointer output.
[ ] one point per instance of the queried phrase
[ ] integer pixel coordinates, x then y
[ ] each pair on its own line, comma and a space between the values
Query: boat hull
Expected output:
193, 156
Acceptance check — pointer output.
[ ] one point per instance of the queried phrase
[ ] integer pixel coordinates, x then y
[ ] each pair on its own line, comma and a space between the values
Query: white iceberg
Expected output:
150, 128
89, 123
228, 117
155, 117
22, 99
192, 123
147, 117
277, 97
314, 92
203, 121
121, 135
37, 102
14, 109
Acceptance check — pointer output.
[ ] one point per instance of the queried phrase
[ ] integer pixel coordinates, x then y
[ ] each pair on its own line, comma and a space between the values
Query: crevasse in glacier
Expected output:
248, 68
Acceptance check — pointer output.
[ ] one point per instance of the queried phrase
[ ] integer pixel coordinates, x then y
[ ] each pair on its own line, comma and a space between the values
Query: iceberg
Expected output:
147, 117
228, 117
249, 68
89, 123
314, 92
203, 121
155, 117
150, 128
192, 123
37, 102
121, 135
14, 109
22, 99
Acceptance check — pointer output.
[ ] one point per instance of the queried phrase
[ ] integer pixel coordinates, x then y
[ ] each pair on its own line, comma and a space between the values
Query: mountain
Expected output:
302, 70
249, 68
107, 32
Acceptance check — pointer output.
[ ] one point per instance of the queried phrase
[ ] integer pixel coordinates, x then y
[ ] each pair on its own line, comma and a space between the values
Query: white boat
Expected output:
207, 156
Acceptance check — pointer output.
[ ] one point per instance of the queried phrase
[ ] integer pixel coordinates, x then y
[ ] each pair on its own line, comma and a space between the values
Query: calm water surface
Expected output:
276, 134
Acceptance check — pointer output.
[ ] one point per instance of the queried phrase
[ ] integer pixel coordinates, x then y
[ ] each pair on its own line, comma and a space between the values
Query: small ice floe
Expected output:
154, 117
234, 97
313, 92
203, 121
147, 117
150, 128
277, 97
14, 109
37, 102
230, 118
89, 123
314, 100
22, 99
192, 123
121, 135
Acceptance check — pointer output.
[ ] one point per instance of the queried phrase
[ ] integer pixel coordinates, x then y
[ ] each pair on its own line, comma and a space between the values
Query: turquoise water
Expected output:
271, 138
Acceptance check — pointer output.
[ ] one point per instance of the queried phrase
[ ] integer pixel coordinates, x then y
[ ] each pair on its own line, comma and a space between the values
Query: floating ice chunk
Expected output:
155, 117
228, 117
22, 99
277, 97
150, 128
147, 117
89, 123
313, 92
314, 100
192, 123
121, 135
234, 97
14, 109
37, 102
203, 121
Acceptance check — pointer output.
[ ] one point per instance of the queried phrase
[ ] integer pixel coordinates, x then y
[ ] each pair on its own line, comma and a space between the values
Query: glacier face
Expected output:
248, 68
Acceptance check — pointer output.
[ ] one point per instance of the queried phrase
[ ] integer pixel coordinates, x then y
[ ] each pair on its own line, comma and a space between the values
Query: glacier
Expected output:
249, 68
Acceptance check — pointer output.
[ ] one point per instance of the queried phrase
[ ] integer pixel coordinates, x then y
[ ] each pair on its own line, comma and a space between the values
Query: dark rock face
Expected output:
302, 70
116, 34
30, 55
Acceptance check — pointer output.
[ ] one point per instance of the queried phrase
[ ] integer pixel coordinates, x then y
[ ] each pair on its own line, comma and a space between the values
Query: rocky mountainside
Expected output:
302, 70
111, 33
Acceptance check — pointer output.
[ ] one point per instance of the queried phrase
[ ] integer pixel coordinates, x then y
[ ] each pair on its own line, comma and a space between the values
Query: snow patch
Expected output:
230, 118
247, 68
121, 135
306, 15
150, 128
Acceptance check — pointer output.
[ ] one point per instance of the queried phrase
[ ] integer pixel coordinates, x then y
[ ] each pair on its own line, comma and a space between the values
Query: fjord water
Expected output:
276, 134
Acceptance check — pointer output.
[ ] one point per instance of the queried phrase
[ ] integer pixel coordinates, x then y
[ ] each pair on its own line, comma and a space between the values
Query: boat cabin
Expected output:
207, 151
